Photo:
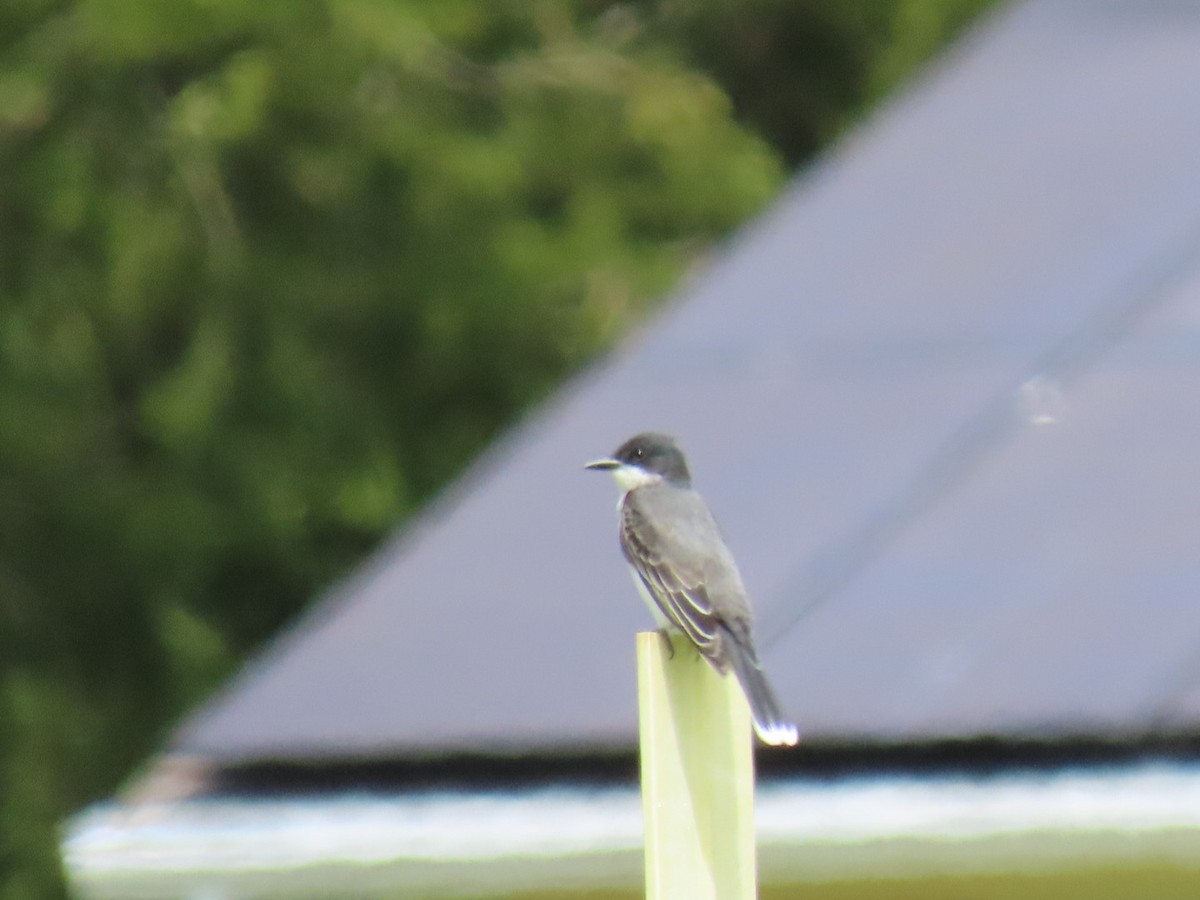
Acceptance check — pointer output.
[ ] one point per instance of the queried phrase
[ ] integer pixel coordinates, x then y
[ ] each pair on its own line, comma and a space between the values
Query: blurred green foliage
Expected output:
271, 272
800, 72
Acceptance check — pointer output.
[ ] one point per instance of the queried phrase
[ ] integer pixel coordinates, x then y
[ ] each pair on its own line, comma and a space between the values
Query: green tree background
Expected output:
261, 259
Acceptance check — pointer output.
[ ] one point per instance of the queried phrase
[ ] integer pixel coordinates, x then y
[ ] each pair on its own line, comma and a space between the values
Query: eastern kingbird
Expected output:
685, 572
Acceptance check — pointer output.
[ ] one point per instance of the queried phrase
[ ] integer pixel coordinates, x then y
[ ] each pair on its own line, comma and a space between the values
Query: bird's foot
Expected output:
667, 644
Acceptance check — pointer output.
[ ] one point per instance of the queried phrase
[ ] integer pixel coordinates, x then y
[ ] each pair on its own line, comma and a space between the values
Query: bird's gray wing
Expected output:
672, 542
674, 576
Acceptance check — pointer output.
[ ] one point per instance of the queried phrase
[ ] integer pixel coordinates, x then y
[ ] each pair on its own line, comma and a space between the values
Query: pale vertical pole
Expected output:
697, 776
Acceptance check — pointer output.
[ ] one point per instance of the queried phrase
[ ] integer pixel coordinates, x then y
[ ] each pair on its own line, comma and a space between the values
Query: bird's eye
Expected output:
639, 453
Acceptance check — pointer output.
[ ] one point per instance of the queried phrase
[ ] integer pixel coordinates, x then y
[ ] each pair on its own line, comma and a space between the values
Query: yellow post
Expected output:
697, 777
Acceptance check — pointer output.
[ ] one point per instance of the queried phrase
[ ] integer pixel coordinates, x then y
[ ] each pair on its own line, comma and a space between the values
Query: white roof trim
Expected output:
451, 842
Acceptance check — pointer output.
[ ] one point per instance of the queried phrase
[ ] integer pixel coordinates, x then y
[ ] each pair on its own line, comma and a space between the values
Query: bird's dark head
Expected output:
645, 459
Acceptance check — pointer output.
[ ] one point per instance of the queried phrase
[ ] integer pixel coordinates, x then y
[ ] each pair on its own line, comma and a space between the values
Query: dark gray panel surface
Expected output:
944, 399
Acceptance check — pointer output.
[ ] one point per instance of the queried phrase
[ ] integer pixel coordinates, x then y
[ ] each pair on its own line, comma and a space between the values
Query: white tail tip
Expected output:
778, 734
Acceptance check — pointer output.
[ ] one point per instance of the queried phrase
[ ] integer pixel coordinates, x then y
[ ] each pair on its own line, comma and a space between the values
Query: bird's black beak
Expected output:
602, 464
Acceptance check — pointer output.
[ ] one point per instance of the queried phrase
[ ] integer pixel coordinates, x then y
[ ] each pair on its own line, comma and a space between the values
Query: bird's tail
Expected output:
770, 724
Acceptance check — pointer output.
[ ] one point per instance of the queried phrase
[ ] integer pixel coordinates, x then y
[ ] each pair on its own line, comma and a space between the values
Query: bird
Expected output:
686, 573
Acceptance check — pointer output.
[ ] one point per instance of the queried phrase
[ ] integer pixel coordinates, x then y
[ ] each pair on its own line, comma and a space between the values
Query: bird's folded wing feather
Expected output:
677, 587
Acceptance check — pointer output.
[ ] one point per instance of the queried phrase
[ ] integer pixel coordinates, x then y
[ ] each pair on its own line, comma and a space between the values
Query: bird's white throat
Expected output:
630, 477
